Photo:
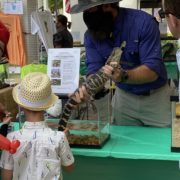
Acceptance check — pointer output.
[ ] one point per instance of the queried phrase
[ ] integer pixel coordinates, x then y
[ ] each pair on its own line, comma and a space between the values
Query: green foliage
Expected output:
52, 7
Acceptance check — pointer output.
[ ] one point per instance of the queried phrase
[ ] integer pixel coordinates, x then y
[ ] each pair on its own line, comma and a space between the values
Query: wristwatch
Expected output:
124, 75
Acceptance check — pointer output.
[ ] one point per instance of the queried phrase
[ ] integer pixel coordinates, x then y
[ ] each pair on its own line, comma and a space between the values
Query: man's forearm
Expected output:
141, 75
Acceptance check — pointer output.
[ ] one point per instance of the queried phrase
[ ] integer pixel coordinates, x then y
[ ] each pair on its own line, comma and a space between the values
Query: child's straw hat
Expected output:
34, 92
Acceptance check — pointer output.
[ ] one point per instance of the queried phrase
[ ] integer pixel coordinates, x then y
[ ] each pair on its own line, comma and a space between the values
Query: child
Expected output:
5, 118
4, 115
42, 150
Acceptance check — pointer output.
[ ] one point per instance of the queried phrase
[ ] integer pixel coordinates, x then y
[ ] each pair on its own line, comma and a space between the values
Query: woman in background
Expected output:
63, 38
5, 119
5, 116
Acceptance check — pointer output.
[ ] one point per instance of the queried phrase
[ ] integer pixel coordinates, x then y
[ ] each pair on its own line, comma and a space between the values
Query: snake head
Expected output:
115, 57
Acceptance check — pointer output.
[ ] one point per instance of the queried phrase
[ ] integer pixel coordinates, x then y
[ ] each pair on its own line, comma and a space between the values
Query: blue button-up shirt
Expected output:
141, 33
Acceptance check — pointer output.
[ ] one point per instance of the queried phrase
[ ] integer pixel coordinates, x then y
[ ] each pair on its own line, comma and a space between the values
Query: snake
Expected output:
93, 85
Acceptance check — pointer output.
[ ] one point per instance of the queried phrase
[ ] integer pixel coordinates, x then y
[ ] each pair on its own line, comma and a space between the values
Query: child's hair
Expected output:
64, 21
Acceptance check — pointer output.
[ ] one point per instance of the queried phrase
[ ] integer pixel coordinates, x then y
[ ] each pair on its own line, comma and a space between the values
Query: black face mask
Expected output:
100, 24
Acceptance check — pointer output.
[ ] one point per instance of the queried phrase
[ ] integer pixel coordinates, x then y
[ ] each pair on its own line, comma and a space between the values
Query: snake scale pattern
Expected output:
93, 85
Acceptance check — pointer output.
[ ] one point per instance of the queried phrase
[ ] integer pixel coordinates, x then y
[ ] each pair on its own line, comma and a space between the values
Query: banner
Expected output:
12, 6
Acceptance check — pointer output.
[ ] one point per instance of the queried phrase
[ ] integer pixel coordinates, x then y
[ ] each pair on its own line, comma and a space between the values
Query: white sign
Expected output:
13, 6
14, 70
63, 69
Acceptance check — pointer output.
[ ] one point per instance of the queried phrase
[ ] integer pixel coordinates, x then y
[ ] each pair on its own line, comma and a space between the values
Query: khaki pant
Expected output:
139, 110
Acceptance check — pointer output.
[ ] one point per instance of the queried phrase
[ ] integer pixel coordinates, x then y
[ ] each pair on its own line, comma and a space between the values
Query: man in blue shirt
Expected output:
171, 11
142, 93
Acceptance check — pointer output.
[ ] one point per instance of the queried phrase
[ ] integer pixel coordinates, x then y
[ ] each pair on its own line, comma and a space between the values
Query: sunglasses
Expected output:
163, 14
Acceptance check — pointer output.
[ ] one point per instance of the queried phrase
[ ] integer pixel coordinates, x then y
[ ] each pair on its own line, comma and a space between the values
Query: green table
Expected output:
132, 153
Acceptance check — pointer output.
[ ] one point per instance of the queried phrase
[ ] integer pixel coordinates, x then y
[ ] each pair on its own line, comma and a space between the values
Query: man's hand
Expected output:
114, 73
81, 95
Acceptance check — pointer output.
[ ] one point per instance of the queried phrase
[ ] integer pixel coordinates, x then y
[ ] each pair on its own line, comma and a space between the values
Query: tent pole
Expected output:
56, 8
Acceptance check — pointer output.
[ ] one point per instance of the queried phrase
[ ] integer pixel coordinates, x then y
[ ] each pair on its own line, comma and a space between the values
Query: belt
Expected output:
145, 93
149, 92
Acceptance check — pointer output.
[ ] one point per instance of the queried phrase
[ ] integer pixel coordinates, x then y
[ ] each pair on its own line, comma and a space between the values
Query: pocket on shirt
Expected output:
130, 56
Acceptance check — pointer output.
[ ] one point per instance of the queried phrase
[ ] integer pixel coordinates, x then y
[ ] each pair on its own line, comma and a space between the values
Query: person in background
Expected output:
142, 93
5, 116
4, 38
171, 10
42, 151
63, 38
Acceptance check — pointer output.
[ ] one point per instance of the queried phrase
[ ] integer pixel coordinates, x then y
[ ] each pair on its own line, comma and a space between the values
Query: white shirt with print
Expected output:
43, 24
41, 153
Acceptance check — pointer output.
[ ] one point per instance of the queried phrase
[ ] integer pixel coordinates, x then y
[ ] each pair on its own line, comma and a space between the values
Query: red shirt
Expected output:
4, 36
